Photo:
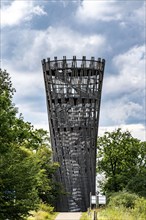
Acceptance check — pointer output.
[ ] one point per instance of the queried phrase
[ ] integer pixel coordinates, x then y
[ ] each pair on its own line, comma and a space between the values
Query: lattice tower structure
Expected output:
73, 91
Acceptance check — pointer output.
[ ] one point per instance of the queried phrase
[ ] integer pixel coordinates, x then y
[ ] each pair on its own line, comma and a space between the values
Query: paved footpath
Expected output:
69, 216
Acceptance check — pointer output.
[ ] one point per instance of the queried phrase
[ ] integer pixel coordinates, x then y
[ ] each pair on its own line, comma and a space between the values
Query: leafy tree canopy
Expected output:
26, 165
122, 160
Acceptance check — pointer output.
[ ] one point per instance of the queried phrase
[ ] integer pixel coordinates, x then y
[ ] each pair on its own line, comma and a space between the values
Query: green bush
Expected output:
44, 212
124, 199
85, 216
122, 206
38, 215
112, 213
46, 208
140, 208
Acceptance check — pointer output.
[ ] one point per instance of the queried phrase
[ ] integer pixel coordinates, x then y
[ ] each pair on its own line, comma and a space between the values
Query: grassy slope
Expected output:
114, 214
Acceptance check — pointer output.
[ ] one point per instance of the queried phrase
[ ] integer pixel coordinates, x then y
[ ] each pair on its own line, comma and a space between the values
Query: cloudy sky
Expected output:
110, 29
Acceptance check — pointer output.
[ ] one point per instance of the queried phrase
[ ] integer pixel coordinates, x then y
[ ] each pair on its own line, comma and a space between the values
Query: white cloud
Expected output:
33, 45
63, 40
139, 14
38, 10
30, 95
134, 19
19, 11
124, 92
37, 118
120, 110
137, 130
26, 83
124, 12
98, 10
130, 75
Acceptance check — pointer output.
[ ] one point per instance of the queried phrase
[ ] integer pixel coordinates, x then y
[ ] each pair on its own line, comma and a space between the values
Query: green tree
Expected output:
137, 184
120, 157
19, 175
50, 189
26, 166
7, 111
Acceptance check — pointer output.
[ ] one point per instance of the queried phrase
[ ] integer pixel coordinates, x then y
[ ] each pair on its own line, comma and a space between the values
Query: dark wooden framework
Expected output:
73, 90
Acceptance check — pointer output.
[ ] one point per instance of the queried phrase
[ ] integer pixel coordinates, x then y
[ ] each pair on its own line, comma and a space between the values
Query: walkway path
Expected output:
69, 216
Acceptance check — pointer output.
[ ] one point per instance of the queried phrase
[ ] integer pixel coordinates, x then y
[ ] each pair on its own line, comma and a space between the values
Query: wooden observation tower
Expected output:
73, 91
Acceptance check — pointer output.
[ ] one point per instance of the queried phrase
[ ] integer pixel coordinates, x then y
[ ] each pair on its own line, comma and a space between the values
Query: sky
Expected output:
111, 29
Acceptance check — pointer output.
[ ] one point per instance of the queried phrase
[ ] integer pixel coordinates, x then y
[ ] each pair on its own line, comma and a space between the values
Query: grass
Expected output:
45, 212
107, 213
85, 216
42, 215
88, 215
122, 206
119, 213
113, 214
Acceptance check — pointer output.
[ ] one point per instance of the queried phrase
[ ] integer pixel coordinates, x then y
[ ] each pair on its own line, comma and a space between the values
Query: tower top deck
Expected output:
74, 63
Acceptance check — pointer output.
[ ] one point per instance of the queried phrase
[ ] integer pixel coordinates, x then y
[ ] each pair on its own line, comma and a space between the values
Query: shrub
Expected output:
124, 199
39, 215
140, 208
45, 212
46, 208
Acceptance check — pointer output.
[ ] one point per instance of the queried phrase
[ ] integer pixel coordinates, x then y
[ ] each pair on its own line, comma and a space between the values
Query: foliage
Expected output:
112, 213
85, 216
7, 111
122, 159
122, 206
26, 166
137, 183
124, 199
118, 211
19, 173
140, 208
44, 212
